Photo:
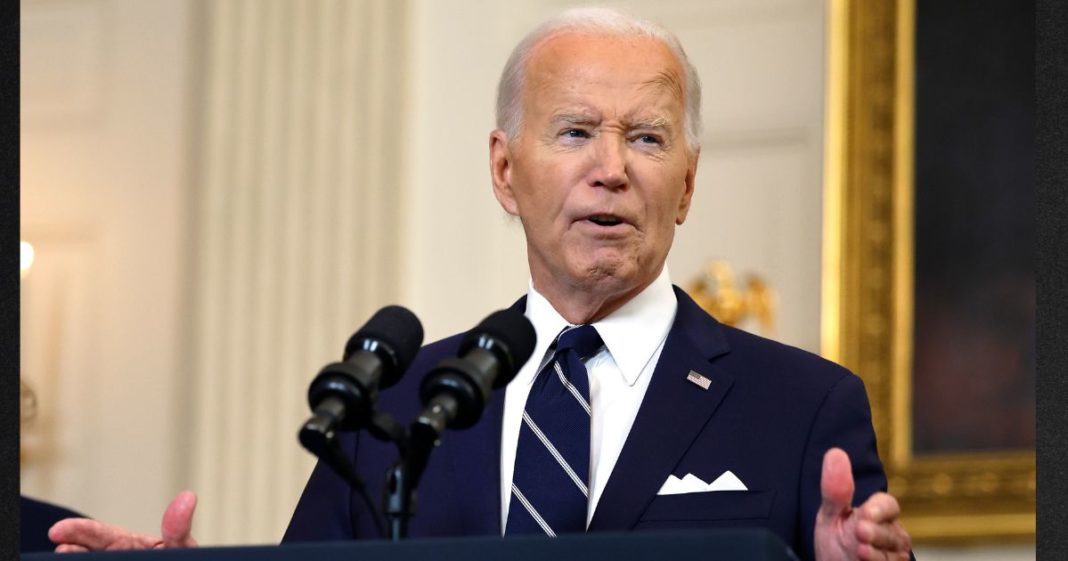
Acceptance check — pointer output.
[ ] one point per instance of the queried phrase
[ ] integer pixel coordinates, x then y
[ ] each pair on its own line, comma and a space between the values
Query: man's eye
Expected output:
649, 139
576, 133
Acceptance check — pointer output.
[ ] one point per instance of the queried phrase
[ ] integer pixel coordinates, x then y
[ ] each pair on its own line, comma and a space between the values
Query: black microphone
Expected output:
455, 392
342, 396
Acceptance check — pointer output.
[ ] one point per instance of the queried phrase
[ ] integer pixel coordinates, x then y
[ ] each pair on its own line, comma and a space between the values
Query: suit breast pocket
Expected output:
717, 505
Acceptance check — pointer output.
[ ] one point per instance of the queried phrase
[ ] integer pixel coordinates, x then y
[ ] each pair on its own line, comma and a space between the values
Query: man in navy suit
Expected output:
696, 424
692, 424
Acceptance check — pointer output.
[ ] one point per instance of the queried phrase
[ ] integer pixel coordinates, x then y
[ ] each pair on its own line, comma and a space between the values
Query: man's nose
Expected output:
610, 163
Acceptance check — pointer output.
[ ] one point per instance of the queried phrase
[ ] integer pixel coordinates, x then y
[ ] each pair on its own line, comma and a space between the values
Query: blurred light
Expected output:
25, 258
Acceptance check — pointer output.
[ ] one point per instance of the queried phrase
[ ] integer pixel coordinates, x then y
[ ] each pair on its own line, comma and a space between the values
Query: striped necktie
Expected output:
552, 462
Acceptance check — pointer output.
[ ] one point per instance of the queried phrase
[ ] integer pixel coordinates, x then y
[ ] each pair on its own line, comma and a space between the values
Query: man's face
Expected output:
600, 174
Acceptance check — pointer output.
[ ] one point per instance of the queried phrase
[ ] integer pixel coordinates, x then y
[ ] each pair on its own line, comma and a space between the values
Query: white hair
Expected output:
600, 21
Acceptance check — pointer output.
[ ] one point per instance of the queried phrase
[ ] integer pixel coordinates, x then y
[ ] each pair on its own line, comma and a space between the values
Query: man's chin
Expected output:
610, 277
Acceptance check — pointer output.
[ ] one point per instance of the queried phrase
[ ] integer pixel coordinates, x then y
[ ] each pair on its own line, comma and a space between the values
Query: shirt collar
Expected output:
632, 334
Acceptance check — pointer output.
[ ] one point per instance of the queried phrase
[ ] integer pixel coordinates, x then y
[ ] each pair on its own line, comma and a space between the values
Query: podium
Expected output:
709, 545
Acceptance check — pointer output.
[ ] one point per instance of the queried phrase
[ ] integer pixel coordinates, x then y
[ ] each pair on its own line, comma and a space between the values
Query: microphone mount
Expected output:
454, 394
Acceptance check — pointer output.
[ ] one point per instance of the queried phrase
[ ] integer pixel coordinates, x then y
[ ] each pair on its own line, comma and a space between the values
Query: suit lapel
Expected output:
672, 414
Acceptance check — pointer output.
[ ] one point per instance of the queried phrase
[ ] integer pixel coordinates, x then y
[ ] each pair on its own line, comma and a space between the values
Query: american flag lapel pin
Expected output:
699, 380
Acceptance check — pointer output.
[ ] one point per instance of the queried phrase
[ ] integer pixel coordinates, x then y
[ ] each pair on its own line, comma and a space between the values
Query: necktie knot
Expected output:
583, 339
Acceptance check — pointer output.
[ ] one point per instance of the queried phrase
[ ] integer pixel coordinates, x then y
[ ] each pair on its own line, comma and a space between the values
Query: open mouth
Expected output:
605, 220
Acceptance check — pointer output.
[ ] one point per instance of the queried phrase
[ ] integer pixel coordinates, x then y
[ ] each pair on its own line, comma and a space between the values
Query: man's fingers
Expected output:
84, 532
59, 531
70, 548
880, 507
886, 537
866, 552
178, 521
878, 525
836, 483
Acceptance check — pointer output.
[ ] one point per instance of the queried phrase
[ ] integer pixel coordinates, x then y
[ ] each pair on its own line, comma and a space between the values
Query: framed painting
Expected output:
928, 280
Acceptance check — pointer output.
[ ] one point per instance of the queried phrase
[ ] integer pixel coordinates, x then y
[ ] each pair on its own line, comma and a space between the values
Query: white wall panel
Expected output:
746, 211
298, 230
464, 258
67, 56
102, 169
60, 364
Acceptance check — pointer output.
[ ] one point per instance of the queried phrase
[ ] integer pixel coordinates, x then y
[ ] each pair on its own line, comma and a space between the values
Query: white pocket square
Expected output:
727, 482
690, 483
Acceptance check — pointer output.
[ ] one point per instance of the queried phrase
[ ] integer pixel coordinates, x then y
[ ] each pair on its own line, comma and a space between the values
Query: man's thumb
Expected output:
178, 521
836, 483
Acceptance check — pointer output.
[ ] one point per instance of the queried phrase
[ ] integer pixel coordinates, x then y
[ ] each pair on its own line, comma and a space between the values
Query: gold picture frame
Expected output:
867, 300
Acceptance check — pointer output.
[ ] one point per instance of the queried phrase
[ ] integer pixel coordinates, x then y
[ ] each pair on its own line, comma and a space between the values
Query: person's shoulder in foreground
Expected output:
35, 518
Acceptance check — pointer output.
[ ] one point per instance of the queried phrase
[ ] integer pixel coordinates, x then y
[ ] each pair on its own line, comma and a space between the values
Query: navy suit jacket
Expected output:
770, 414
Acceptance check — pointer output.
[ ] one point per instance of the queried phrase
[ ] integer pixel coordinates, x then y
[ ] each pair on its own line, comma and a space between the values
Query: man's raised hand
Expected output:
83, 534
870, 531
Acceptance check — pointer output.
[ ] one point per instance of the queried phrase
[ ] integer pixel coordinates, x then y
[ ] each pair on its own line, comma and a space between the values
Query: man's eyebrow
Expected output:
652, 123
574, 118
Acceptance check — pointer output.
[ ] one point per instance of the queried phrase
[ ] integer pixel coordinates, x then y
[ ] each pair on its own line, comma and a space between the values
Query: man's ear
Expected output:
687, 194
501, 171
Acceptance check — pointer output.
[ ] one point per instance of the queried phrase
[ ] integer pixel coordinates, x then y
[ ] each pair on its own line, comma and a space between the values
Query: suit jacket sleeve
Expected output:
843, 421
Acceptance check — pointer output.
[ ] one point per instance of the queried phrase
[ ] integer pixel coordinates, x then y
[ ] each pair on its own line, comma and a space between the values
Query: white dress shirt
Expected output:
633, 336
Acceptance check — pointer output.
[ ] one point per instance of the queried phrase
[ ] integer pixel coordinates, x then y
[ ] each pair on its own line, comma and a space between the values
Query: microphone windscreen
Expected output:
515, 334
398, 329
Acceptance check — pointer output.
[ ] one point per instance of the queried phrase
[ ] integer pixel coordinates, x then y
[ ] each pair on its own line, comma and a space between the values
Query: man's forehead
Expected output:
668, 78
630, 54
570, 62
